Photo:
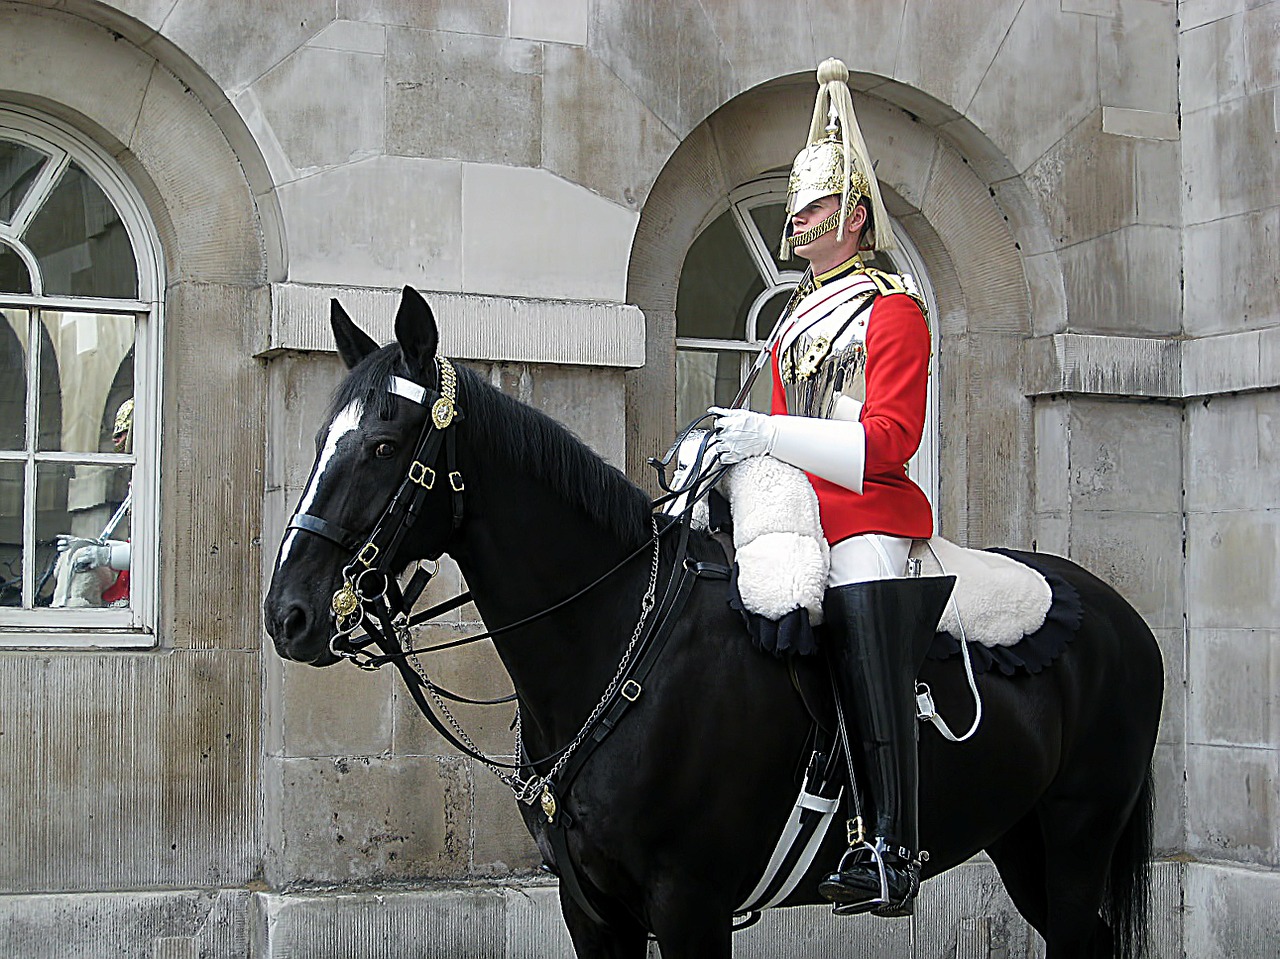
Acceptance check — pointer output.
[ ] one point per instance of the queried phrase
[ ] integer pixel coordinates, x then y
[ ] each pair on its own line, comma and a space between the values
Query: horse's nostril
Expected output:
294, 623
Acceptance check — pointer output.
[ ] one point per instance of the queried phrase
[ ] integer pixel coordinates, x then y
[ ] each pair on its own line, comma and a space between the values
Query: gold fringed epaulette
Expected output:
887, 283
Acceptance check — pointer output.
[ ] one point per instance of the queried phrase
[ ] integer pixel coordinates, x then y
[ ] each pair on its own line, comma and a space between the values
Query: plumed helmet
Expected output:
835, 162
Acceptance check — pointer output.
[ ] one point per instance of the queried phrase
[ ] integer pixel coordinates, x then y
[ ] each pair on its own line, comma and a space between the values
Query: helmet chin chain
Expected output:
808, 236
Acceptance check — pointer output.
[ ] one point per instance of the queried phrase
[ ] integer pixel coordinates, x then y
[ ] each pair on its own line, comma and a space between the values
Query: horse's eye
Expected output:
385, 450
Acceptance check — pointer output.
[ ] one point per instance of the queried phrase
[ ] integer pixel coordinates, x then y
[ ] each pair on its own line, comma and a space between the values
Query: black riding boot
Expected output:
877, 635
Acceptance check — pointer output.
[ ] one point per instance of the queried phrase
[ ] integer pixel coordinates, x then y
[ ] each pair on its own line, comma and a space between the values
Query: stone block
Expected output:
382, 222
1140, 554
1158, 187
158, 925
1233, 804
901, 146
535, 928
1052, 533
1125, 456
554, 21
135, 19
1139, 124
485, 17
270, 154
388, 924
1228, 57
238, 41
1138, 57
369, 820
596, 133
1237, 136
947, 51
761, 132
1169, 828
299, 98
1047, 293
1231, 452
152, 784
1232, 558
503, 846
670, 56
465, 97
37, 44
211, 514
1233, 678
791, 48
1052, 418
1231, 913
1126, 282
350, 36
1042, 81
520, 236
336, 712
1173, 715
1232, 264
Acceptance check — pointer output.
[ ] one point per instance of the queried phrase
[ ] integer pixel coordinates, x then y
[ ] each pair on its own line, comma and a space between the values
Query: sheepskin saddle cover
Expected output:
783, 560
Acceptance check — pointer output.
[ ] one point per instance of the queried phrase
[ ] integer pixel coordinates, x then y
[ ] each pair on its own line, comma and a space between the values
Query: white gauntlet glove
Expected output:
113, 554
742, 433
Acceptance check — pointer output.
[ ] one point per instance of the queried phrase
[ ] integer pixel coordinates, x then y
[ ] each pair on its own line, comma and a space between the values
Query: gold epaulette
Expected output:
887, 283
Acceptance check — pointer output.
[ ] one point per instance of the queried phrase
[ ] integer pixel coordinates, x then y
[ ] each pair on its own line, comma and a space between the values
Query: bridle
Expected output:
367, 580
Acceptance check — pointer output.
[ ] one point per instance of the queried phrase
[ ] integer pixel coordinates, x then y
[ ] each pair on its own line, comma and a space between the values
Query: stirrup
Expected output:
882, 905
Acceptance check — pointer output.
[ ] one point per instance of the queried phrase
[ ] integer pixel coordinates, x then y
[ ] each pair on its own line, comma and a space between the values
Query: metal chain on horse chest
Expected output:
529, 789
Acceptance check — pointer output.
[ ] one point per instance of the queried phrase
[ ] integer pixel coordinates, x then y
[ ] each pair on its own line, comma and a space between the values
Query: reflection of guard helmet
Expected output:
122, 431
835, 163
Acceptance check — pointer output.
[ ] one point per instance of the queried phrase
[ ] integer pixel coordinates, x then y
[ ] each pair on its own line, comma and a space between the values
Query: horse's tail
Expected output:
1126, 902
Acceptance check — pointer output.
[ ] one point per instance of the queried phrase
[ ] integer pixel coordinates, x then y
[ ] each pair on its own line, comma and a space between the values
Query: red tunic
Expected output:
897, 381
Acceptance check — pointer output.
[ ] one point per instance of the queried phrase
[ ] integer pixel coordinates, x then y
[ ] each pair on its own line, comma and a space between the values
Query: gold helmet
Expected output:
122, 431
835, 162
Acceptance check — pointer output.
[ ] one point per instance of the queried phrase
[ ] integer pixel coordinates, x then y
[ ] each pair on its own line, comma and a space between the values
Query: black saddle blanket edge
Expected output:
1032, 653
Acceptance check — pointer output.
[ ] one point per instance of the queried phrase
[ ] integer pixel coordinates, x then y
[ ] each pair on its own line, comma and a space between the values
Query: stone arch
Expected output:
970, 217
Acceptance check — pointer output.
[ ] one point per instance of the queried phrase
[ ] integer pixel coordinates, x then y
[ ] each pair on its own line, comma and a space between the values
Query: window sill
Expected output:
80, 638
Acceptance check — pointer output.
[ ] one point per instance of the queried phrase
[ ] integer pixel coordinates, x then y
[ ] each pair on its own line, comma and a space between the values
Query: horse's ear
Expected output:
354, 344
416, 332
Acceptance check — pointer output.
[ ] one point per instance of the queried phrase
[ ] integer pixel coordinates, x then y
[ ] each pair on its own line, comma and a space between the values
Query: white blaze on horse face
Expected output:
343, 423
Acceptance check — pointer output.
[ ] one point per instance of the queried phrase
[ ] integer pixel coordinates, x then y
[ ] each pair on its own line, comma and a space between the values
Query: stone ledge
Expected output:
1145, 367
473, 327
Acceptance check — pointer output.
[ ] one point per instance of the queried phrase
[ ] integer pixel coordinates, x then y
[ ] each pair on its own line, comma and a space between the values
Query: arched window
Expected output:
732, 290
79, 357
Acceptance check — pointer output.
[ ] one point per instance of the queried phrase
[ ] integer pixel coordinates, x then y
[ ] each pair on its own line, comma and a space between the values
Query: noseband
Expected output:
367, 580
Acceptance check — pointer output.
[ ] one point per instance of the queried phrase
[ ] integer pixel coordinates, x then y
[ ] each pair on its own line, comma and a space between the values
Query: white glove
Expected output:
835, 450
742, 433
67, 543
114, 554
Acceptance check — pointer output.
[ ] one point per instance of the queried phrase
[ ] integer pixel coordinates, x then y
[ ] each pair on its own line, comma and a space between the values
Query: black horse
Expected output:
675, 815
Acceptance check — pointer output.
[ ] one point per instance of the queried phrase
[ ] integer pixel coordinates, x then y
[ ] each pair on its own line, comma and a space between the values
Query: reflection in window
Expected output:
72, 388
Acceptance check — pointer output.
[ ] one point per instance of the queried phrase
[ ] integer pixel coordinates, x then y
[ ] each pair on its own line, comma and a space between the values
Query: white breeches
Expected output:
866, 557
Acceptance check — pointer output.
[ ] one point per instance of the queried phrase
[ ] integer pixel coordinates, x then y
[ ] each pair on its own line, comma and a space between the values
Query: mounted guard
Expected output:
850, 364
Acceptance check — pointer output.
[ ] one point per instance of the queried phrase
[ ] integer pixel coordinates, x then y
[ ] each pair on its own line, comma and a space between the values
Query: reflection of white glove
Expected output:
68, 543
113, 554
742, 433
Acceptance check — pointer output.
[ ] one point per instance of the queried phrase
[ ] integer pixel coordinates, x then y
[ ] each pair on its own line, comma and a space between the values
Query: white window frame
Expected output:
773, 189
134, 626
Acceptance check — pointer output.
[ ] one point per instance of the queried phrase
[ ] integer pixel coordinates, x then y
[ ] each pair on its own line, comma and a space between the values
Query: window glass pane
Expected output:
92, 376
81, 506
711, 378
770, 312
19, 166
10, 534
14, 276
769, 220
80, 242
13, 379
717, 285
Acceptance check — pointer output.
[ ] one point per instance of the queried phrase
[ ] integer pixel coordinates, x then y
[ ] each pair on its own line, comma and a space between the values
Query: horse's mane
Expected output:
528, 438
514, 434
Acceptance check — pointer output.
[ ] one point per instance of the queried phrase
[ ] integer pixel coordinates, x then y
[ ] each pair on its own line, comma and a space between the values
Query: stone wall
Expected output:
1099, 223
